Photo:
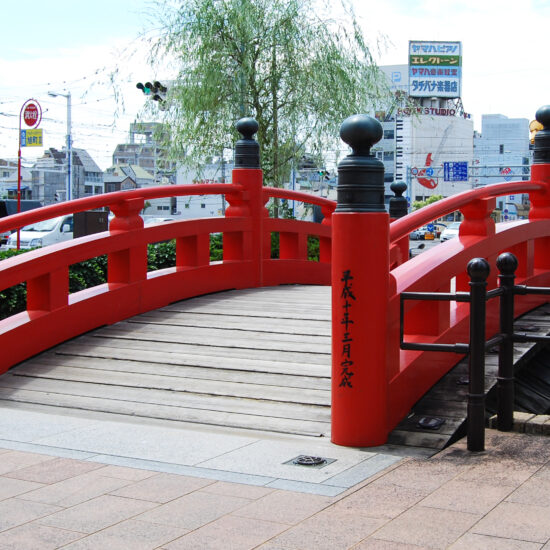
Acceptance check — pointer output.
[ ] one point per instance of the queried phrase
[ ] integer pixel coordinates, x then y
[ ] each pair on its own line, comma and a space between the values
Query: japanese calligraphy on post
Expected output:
347, 298
435, 69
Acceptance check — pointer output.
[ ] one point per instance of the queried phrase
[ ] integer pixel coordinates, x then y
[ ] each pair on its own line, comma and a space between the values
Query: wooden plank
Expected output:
158, 335
139, 396
257, 324
164, 412
215, 334
181, 371
176, 384
269, 350
418, 439
264, 361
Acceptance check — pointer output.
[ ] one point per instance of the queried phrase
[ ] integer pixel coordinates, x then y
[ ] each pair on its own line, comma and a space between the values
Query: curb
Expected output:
529, 423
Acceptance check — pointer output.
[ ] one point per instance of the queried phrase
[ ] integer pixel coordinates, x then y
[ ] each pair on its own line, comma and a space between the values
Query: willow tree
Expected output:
297, 73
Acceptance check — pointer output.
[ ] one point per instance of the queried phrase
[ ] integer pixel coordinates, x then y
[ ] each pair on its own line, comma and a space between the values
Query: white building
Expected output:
502, 153
428, 146
203, 206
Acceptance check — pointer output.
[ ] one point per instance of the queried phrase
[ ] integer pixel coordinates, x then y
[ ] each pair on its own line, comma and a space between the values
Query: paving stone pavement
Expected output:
498, 499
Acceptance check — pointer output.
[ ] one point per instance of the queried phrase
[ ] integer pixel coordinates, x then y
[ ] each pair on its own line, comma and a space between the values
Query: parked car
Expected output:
9, 207
450, 231
422, 234
43, 233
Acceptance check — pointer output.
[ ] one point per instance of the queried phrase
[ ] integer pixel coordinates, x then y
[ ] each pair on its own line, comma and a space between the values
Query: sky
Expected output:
74, 45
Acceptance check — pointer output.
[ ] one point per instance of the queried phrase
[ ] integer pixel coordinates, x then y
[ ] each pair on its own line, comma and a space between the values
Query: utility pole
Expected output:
69, 189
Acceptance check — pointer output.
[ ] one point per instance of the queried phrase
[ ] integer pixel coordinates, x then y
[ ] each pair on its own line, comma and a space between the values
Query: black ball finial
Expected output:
398, 204
478, 269
360, 175
541, 152
543, 116
247, 149
247, 127
507, 263
398, 188
361, 132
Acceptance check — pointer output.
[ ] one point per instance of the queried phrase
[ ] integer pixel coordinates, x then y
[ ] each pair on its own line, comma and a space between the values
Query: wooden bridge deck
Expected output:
254, 359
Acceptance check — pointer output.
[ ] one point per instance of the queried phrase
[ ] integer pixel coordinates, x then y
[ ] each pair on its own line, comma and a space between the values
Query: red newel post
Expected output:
252, 244
360, 281
540, 200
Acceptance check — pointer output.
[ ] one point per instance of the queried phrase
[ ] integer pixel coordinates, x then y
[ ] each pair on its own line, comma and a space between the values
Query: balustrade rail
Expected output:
374, 382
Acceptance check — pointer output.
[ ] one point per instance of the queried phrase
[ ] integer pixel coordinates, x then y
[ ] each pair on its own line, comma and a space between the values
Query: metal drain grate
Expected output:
310, 461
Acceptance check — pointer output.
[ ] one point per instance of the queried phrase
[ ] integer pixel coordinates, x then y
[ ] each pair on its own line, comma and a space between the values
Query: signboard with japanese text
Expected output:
455, 171
32, 138
435, 69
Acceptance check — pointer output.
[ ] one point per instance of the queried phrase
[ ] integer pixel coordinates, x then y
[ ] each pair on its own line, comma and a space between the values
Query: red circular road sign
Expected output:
31, 115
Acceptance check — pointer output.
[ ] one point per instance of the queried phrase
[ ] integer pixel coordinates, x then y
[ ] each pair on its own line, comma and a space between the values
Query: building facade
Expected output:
49, 176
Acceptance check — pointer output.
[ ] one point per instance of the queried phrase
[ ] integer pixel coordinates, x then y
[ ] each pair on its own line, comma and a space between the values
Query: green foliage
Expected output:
161, 255
216, 247
313, 248
14, 299
89, 273
93, 272
430, 200
298, 72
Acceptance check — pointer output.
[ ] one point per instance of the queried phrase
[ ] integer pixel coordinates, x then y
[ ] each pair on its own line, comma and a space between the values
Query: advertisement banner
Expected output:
31, 138
435, 69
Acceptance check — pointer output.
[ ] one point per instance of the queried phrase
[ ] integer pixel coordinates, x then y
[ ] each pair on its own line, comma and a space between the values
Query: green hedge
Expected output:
93, 272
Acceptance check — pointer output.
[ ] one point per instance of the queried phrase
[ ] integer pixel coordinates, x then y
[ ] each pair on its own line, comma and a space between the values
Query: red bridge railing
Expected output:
366, 258
374, 382
53, 315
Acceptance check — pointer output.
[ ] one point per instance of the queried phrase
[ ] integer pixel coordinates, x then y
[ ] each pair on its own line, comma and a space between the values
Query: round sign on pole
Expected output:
32, 114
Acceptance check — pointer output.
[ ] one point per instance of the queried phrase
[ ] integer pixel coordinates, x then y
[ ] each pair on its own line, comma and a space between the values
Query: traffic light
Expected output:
156, 91
324, 174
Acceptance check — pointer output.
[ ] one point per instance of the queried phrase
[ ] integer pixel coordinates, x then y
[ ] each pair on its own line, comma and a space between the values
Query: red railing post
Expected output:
252, 244
360, 283
128, 265
540, 172
477, 221
325, 244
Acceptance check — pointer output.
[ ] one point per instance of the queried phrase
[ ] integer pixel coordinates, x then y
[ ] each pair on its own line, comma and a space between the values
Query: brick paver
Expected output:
499, 499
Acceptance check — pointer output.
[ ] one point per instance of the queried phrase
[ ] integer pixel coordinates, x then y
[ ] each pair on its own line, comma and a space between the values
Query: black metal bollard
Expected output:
507, 264
478, 270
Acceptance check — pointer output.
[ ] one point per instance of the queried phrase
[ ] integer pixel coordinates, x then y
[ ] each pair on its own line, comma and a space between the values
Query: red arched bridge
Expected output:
362, 251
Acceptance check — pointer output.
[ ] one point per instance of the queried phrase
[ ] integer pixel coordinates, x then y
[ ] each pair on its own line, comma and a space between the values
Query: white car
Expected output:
43, 233
450, 231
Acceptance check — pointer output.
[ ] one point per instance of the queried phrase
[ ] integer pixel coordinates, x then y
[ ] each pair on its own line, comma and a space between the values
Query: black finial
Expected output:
398, 204
541, 153
247, 149
360, 174
478, 269
507, 263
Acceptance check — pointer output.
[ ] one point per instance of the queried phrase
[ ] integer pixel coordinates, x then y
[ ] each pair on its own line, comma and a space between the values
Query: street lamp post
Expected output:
69, 189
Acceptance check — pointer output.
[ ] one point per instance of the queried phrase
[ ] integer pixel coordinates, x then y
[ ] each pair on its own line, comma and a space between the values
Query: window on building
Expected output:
388, 155
203, 205
389, 134
187, 205
501, 148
